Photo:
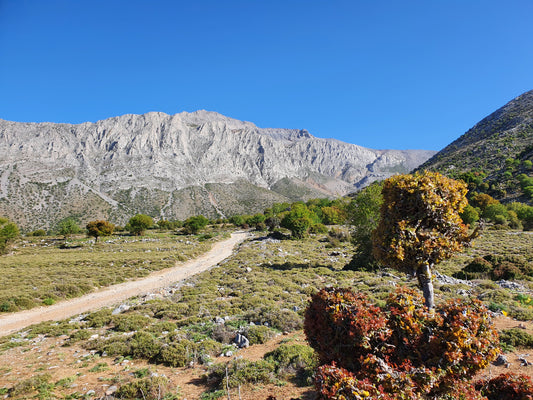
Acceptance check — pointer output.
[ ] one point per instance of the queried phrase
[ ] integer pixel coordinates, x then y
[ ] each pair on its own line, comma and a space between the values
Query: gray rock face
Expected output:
174, 166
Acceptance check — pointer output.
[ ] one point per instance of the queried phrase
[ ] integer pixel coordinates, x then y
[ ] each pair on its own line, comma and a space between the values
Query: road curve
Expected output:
111, 295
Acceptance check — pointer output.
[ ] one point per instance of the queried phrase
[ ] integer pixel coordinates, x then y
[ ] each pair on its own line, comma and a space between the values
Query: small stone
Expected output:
501, 360
111, 390
90, 392
241, 341
120, 309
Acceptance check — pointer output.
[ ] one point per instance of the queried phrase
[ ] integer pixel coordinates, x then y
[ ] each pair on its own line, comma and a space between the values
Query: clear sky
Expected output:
381, 74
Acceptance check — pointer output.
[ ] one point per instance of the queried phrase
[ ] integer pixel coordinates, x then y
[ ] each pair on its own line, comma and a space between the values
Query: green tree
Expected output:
332, 215
469, 215
139, 223
420, 225
524, 213
9, 231
67, 227
363, 214
237, 220
298, 220
100, 228
195, 224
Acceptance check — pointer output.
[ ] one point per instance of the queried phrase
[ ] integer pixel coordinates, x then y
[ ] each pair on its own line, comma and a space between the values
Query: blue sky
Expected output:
381, 74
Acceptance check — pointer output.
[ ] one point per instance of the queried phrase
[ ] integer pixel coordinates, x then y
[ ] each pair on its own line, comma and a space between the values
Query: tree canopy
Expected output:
139, 223
100, 228
68, 226
8, 232
363, 214
420, 224
195, 224
298, 220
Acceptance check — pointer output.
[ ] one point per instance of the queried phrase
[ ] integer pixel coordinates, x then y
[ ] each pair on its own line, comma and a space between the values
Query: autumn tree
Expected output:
8, 232
139, 223
420, 225
100, 228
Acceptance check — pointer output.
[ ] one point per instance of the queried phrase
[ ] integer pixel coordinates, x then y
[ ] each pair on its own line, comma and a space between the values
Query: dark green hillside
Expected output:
492, 154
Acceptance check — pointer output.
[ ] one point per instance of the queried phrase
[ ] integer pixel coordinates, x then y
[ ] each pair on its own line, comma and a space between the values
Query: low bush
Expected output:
402, 347
516, 337
30, 385
150, 388
99, 319
130, 322
296, 360
240, 372
258, 334
178, 354
507, 387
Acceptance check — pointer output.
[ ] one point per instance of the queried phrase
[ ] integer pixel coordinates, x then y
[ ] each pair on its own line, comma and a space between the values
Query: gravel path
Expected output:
111, 295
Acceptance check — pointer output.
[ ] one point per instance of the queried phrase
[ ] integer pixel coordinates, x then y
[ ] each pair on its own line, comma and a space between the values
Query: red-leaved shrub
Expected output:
507, 387
402, 350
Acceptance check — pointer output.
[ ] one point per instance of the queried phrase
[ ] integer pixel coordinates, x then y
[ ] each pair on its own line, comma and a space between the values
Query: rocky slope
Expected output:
499, 147
174, 166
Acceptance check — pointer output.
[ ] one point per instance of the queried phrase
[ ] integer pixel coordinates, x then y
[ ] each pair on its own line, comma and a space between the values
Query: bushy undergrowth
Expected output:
496, 267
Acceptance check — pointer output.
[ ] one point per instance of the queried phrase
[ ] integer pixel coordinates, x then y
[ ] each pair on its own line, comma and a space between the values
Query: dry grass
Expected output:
39, 271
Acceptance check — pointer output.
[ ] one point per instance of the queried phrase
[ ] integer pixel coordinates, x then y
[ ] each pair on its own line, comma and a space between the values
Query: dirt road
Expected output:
114, 294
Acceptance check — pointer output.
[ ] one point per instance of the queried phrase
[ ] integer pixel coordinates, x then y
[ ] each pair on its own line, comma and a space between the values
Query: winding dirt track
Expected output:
114, 294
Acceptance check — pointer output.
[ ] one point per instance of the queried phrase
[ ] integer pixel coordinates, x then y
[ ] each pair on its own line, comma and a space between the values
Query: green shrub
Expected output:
208, 347
130, 322
294, 359
240, 372
178, 354
318, 229
38, 232
99, 319
150, 388
478, 268
283, 319
82, 334
30, 385
144, 345
258, 334
162, 326
516, 337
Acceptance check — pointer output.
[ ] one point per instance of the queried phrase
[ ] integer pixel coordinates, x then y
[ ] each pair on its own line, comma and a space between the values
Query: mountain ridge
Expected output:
146, 163
498, 149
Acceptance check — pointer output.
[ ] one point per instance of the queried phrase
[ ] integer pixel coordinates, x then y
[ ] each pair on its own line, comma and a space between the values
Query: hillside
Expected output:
498, 149
174, 166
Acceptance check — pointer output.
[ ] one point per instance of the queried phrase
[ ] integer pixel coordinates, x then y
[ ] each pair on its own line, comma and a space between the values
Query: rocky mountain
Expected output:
497, 150
174, 166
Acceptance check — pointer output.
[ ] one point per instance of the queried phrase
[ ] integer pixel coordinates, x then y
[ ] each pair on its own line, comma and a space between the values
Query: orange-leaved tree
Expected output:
420, 225
100, 228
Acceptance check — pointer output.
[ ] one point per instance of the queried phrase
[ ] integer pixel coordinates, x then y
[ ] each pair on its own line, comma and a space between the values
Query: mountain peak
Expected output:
174, 166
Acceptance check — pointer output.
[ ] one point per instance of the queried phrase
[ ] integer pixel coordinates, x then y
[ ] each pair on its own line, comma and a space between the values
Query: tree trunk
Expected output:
426, 284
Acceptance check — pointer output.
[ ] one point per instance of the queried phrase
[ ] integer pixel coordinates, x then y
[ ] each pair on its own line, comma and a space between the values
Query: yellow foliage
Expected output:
420, 222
